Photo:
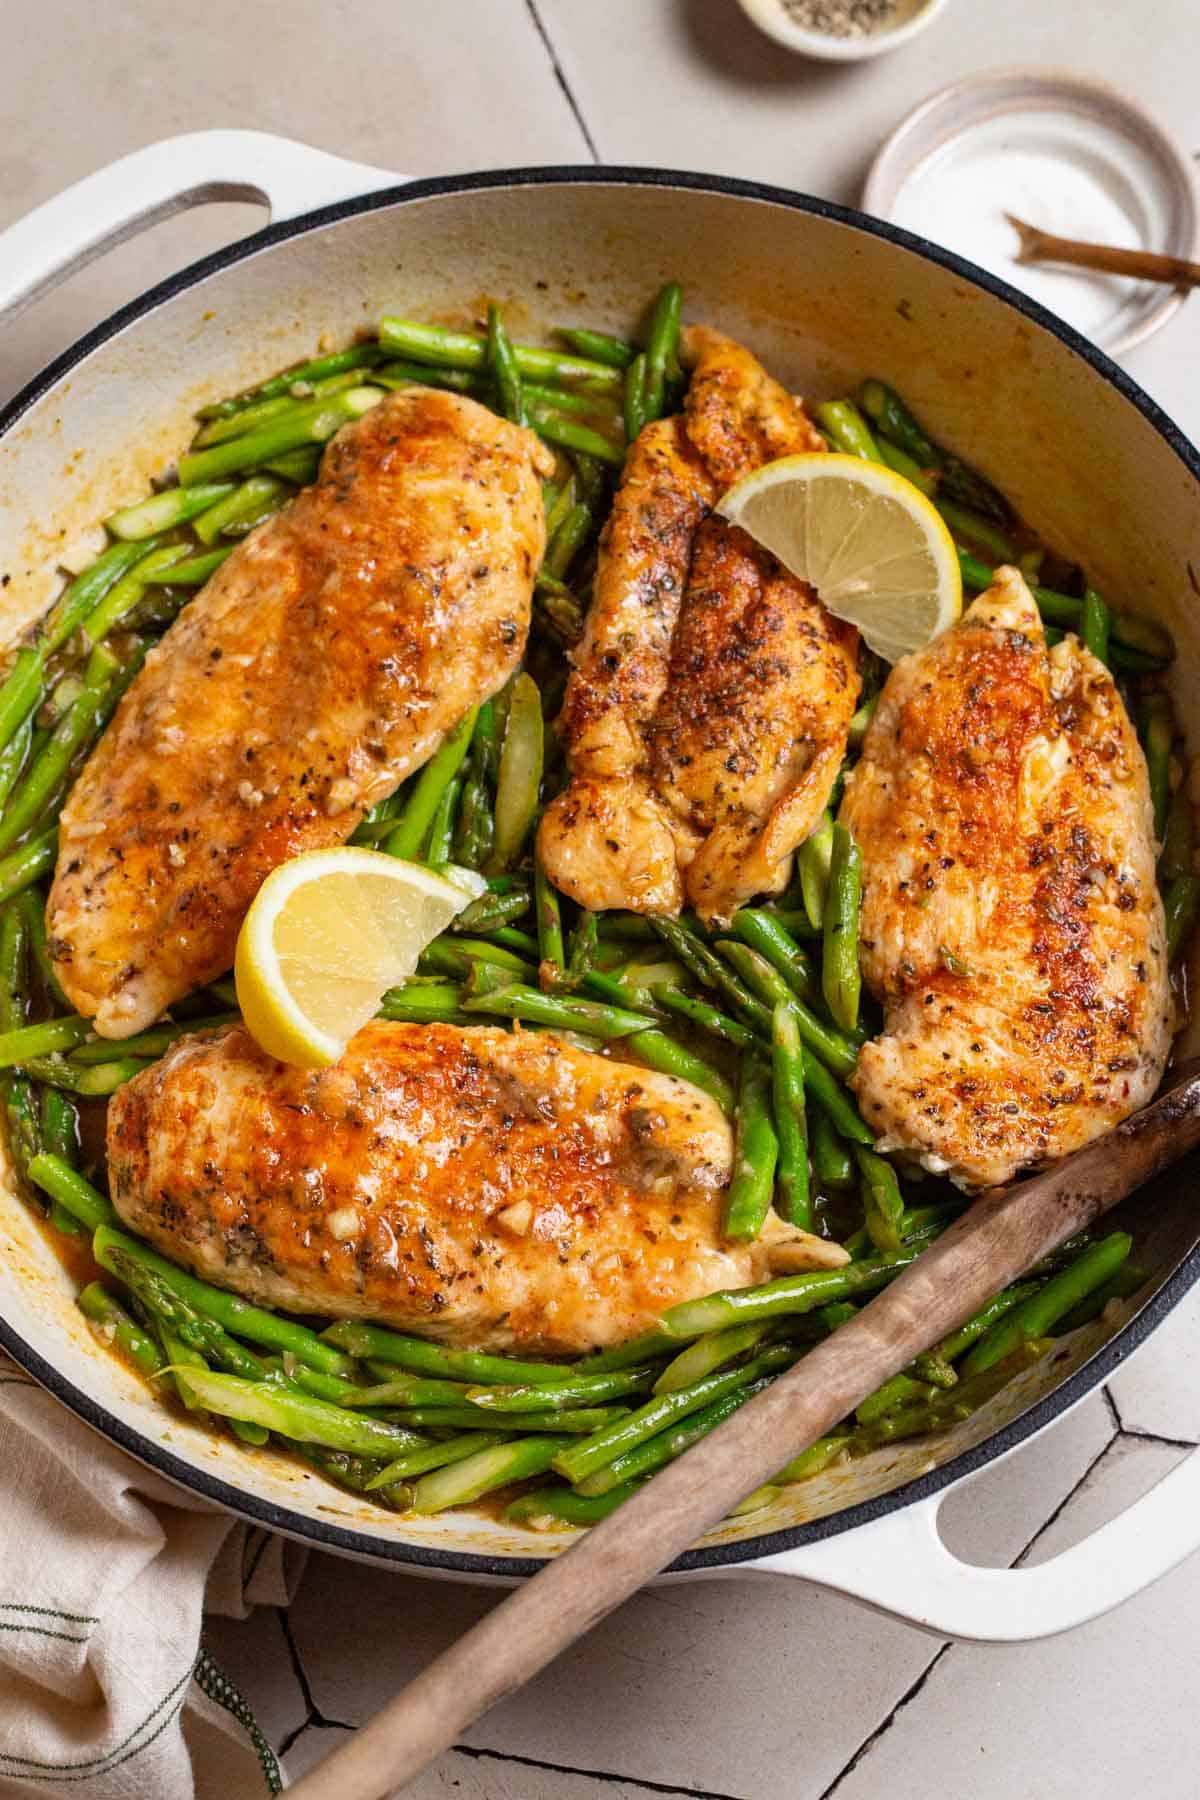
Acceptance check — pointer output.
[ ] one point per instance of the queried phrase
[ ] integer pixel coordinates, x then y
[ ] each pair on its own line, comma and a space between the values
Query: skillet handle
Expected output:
68, 232
899, 1564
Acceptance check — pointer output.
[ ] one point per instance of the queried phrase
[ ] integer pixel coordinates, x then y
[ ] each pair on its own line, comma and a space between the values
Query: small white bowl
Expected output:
1057, 142
912, 17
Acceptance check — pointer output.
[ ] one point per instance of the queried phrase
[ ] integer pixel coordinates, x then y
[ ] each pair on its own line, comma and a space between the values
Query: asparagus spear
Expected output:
193, 571
661, 344
831, 1162
791, 1127
1156, 723
96, 1080
578, 1421
14, 756
580, 1459
813, 861
652, 1454
883, 1203
153, 1042
174, 506
1034, 1317
295, 1415
709, 1353
552, 955
847, 430
841, 981
699, 1012
547, 1506
274, 406
555, 1012
18, 1046
432, 1456
571, 1390
503, 365
756, 1152
568, 433
248, 505
468, 350
634, 398
1181, 902
466, 1480
28, 863
313, 423
658, 1051
790, 1294
960, 482
425, 1358
599, 346
238, 1317
408, 834
113, 1325
711, 971
763, 932
519, 777
1095, 625
317, 368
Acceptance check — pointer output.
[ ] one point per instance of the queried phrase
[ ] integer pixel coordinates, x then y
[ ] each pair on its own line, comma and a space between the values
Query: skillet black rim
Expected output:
362, 1542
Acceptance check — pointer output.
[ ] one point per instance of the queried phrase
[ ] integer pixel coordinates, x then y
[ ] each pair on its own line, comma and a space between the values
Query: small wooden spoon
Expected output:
1146, 265
1005, 1233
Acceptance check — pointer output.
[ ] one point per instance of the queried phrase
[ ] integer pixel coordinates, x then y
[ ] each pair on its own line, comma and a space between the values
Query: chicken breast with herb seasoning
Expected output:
324, 662
489, 1188
1011, 924
707, 712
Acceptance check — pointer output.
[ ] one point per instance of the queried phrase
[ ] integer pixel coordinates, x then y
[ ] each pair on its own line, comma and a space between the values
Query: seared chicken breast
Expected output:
707, 711
479, 1186
1011, 923
324, 661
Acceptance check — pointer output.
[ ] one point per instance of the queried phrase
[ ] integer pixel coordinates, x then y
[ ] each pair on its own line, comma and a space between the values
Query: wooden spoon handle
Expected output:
1145, 265
1004, 1234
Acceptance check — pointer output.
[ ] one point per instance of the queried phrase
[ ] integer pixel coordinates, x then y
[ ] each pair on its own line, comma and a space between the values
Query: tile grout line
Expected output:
1066, 1500
886, 1723
561, 78
1139, 1436
602, 1775
313, 1713
911, 1693
474, 1753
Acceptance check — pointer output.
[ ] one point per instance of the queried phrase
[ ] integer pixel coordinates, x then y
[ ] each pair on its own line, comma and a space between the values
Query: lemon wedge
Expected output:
869, 542
327, 935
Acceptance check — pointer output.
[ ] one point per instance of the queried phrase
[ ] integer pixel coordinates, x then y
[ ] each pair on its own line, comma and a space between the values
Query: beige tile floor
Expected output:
763, 1689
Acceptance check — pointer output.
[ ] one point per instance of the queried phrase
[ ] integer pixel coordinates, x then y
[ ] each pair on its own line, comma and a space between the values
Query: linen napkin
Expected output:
105, 1571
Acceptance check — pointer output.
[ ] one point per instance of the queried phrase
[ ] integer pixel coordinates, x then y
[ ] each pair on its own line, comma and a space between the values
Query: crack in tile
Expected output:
561, 78
886, 1723
1066, 1500
314, 1715
475, 1753
605, 1775
1135, 1431
298, 1731
1156, 1437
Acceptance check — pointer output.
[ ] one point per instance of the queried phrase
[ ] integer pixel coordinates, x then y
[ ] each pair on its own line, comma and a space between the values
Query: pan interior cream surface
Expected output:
824, 302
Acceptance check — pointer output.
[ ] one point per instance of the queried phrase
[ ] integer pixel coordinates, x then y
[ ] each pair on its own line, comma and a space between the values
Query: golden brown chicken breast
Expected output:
707, 712
479, 1186
324, 661
1011, 924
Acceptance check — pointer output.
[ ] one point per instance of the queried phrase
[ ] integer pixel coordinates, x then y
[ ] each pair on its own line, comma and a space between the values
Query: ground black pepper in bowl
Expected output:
841, 18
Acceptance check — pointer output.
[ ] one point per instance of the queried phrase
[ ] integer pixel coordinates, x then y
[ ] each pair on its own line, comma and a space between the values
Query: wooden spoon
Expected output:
1004, 1234
1146, 265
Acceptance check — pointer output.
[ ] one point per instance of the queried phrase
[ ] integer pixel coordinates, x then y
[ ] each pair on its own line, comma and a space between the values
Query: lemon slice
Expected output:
327, 935
869, 542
